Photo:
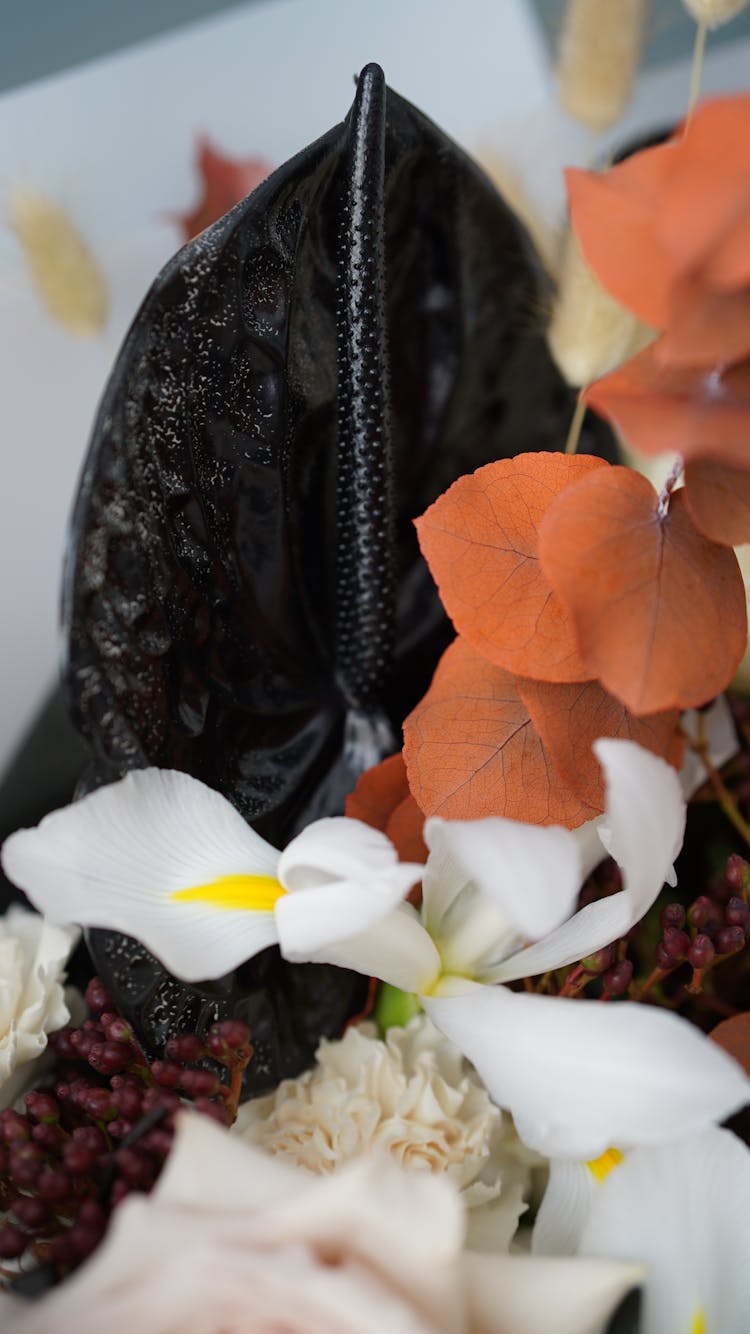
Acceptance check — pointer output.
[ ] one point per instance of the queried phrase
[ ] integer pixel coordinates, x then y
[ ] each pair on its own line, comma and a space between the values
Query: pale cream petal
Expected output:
525, 1294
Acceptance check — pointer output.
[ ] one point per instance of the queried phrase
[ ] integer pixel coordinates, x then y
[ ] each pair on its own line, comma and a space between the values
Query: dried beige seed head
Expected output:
590, 333
714, 12
599, 52
65, 273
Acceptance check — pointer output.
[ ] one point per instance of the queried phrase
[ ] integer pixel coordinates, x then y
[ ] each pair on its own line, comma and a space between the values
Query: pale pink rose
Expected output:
234, 1241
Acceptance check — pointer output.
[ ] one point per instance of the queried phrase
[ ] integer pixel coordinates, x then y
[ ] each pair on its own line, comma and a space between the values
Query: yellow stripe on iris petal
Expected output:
236, 893
699, 1323
602, 1166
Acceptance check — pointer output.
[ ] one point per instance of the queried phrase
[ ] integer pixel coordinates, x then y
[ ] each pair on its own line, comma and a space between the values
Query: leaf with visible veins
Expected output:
480, 541
471, 749
659, 608
570, 718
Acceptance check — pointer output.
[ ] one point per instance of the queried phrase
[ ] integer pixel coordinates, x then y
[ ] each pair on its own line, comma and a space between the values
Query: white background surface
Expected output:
113, 143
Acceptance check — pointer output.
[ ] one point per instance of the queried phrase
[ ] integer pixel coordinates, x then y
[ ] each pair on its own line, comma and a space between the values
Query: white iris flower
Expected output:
166, 859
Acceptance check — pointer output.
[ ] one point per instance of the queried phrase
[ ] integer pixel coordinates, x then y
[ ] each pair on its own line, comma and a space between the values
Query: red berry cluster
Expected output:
103, 1128
710, 929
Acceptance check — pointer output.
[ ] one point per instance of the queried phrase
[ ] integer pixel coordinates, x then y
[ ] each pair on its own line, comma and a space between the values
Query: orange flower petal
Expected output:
480, 542
660, 609
472, 751
570, 718
718, 498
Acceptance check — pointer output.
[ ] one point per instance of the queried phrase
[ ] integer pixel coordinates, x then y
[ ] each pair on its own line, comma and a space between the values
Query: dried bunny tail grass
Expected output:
590, 333
65, 272
600, 48
714, 12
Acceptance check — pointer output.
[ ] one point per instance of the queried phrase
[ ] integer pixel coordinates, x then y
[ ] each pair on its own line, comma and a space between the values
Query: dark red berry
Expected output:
617, 979
737, 913
42, 1106
54, 1185
729, 940
128, 1101
737, 873
167, 1073
663, 958
91, 1215
185, 1047
117, 1029
90, 1136
673, 914
701, 951
83, 1240
13, 1242
97, 996
26, 1164
62, 1046
700, 912
233, 1032
199, 1083
598, 962
676, 943
97, 1103
13, 1126
48, 1137
32, 1212
77, 1159
217, 1111
120, 1128
110, 1058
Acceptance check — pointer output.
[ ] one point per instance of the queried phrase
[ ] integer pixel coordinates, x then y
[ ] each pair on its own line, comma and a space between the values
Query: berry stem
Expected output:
723, 796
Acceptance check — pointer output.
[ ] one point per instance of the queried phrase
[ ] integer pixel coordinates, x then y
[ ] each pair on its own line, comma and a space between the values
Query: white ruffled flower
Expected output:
412, 1095
232, 1239
33, 955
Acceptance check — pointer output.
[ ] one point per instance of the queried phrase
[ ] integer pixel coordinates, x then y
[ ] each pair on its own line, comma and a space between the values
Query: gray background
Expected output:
39, 37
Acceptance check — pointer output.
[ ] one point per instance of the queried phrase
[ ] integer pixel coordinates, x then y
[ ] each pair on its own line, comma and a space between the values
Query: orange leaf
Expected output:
660, 609
471, 749
613, 214
225, 182
405, 829
570, 718
480, 542
696, 413
718, 498
705, 328
734, 1036
382, 799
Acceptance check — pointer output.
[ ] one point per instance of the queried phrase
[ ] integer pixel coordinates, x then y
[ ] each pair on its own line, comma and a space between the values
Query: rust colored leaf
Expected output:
480, 542
660, 609
471, 749
570, 718
225, 181
718, 498
667, 233
695, 412
734, 1036
382, 799
613, 214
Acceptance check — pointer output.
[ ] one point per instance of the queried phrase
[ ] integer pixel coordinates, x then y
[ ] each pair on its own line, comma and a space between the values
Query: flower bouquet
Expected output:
411, 856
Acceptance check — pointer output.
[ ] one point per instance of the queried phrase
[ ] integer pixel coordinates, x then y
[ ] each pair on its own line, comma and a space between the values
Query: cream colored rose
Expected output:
33, 955
411, 1095
233, 1241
